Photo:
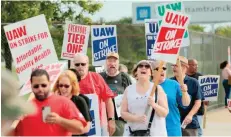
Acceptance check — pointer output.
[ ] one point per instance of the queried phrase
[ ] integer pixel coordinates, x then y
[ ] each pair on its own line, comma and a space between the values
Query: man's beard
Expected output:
43, 97
112, 71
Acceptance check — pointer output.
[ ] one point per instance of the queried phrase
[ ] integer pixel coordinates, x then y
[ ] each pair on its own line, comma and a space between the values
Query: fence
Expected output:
208, 49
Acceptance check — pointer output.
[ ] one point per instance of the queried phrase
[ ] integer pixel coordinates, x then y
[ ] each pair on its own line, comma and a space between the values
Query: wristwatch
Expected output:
111, 118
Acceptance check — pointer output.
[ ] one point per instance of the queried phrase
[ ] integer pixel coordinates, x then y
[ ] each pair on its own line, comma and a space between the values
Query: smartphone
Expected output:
183, 126
45, 111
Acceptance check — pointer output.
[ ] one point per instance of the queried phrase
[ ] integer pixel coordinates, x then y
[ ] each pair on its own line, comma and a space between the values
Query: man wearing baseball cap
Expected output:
117, 81
188, 114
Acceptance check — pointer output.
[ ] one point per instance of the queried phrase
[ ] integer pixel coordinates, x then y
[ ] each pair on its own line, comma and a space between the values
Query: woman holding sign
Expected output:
135, 100
226, 75
175, 98
67, 86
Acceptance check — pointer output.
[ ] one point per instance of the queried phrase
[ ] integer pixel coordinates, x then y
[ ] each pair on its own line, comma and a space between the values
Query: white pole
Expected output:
229, 54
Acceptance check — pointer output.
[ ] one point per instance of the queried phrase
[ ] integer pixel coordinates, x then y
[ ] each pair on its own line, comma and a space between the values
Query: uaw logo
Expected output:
93, 129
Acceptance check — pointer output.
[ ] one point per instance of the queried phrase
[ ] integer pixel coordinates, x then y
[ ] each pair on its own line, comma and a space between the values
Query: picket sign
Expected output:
95, 129
151, 31
104, 41
174, 6
75, 40
31, 45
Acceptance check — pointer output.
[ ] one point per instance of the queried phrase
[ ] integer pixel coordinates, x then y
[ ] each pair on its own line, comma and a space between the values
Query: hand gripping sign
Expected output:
174, 6
169, 39
104, 41
30, 44
168, 42
75, 40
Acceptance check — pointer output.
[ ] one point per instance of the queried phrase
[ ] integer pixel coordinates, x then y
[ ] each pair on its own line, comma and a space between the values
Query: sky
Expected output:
117, 9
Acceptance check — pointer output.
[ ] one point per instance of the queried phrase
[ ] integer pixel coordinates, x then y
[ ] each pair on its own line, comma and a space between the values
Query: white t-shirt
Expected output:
137, 104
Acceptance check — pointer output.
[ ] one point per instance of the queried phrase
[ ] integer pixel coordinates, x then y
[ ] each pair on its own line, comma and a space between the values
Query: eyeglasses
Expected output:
42, 85
64, 85
158, 68
78, 64
146, 66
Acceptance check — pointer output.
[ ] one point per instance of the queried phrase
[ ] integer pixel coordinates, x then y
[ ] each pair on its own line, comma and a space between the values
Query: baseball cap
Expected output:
113, 54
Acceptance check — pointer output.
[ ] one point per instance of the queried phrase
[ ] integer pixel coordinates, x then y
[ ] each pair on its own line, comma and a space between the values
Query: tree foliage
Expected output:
197, 28
56, 12
224, 31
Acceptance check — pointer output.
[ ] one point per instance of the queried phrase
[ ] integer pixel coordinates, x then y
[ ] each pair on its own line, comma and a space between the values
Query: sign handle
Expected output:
205, 117
15, 123
156, 83
180, 77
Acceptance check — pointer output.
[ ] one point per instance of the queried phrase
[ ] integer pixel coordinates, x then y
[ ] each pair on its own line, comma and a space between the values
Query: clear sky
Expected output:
116, 9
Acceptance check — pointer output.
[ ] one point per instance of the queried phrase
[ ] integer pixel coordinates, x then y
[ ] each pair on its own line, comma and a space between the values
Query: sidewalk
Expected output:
218, 123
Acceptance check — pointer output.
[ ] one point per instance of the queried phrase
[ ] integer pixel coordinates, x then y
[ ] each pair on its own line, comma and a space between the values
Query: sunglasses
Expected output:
174, 65
64, 85
78, 64
146, 66
42, 85
158, 68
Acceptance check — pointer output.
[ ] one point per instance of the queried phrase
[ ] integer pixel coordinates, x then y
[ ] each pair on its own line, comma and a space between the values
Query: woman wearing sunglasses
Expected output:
135, 100
175, 98
67, 86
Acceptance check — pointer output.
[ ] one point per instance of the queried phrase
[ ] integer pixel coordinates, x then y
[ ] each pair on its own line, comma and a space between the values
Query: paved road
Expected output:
218, 123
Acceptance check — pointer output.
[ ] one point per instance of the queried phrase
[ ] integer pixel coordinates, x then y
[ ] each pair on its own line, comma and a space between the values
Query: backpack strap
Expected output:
153, 111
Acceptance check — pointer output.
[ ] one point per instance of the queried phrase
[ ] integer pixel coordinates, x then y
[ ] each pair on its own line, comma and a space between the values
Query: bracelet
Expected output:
110, 119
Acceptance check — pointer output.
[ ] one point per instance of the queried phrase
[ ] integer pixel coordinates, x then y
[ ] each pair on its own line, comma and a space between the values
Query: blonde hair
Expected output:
73, 80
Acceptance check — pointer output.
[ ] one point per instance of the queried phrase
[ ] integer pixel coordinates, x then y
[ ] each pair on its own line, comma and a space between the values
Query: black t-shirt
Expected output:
83, 104
196, 75
195, 92
117, 84
201, 109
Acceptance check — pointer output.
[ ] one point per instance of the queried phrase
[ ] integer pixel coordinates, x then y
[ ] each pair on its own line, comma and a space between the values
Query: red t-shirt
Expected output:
33, 125
101, 89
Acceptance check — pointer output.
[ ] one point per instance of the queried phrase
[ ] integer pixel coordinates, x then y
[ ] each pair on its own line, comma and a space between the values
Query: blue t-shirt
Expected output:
174, 95
194, 91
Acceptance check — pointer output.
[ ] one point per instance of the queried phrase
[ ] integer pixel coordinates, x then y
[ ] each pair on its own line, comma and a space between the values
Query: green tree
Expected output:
56, 12
197, 28
131, 41
224, 31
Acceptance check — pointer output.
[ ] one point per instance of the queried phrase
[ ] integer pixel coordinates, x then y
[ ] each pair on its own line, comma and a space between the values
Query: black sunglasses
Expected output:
64, 85
146, 66
42, 85
78, 64
158, 68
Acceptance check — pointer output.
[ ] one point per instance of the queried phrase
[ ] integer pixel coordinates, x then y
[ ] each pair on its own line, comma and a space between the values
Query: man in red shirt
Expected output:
63, 119
93, 83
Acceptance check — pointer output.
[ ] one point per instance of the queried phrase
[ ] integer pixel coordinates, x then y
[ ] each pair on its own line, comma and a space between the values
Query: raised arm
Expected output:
161, 107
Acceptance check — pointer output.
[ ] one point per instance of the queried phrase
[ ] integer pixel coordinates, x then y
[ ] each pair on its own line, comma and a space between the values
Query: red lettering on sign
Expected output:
76, 38
169, 45
173, 18
16, 33
74, 48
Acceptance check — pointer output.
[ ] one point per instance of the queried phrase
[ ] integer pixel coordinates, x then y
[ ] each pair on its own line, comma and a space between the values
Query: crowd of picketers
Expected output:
177, 108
